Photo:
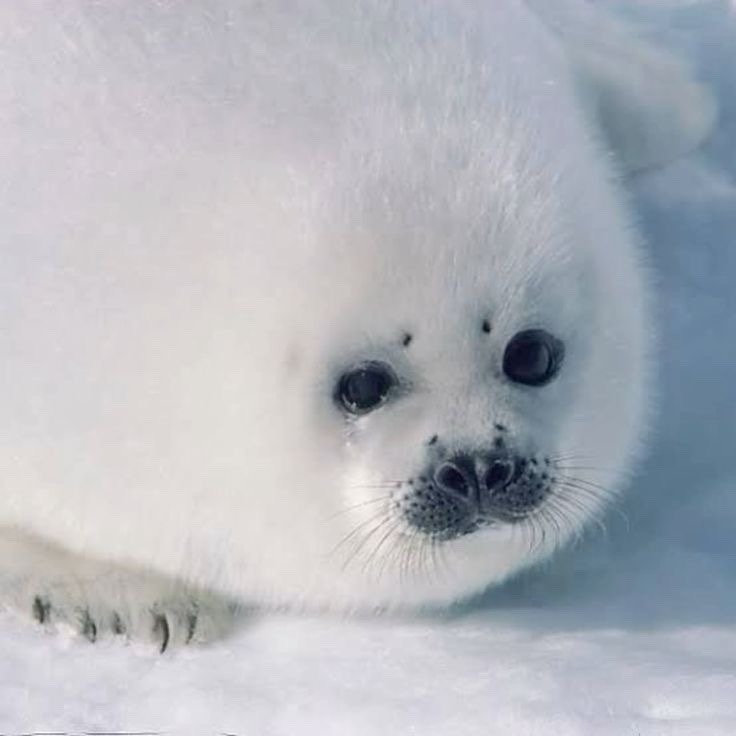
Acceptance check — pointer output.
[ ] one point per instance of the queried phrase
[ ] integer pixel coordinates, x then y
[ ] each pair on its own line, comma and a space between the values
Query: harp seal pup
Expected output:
316, 304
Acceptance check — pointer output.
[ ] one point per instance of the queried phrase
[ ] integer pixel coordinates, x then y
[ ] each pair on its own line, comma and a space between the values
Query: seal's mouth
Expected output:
444, 530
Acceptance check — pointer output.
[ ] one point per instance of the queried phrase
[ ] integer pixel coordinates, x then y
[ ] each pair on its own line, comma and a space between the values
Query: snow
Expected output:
632, 633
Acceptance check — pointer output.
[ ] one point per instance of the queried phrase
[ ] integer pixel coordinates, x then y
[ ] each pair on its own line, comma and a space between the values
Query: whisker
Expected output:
539, 534
423, 546
571, 512
405, 555
412, 559
574, 515
594, 468
572, 455
531, 527
591, 486
426, 558
359, 547
362, 504
548, 513
612, 502
614, 474
574, 487
572, 499
396, 546
536, 533
521, 530
573, 493
356, 530
376, 549
585, 520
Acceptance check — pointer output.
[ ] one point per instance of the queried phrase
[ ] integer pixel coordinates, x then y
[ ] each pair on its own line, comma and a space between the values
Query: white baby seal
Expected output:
323, 304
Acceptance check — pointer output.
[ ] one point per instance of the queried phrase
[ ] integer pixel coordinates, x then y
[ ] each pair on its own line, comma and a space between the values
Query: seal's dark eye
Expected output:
533, 357
365, 388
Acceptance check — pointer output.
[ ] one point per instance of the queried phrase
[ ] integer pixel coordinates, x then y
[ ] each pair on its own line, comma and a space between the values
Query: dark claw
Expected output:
161, 627
89, 628
191, 626
41, 610
117, 624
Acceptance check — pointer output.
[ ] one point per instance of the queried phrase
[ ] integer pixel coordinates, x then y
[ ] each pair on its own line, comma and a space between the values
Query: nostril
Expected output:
499, 474
453, 478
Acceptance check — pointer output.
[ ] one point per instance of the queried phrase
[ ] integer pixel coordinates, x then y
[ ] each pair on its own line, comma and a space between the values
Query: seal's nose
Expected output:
457, 477
473, 476
499, 472
458, 492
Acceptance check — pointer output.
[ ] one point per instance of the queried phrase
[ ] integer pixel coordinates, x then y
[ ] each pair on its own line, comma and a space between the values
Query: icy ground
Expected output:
633, 633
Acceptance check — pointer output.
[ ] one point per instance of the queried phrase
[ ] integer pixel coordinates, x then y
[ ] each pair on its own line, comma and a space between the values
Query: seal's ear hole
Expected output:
648, 103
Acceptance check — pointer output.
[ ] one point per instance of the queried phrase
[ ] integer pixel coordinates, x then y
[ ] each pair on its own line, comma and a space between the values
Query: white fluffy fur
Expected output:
211, 208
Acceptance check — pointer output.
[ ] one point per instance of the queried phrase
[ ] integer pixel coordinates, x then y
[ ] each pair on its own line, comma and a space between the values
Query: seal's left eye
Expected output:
365, 388
533, 357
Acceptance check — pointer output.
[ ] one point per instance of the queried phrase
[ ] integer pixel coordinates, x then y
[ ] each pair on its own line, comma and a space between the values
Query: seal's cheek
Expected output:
391, 444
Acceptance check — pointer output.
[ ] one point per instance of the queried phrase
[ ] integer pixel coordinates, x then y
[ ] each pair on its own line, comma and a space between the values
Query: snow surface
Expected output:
632, 633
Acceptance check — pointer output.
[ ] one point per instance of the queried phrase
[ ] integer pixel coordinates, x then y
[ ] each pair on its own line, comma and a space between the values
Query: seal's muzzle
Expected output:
462, 492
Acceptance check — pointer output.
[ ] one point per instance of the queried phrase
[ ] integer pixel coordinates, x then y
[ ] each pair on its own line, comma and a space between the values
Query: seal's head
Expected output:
483, 389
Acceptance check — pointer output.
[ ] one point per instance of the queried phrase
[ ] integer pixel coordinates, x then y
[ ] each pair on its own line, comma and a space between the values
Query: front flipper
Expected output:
97, 600
650, 107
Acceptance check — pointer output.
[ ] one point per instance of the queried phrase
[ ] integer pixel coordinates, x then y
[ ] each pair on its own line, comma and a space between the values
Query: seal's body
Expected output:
320, 303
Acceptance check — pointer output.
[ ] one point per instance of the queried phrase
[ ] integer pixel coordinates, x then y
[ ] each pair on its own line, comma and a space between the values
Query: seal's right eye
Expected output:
365, 388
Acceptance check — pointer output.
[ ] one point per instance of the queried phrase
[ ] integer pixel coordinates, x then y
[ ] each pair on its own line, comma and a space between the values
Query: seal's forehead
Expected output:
504, 252
502, 210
